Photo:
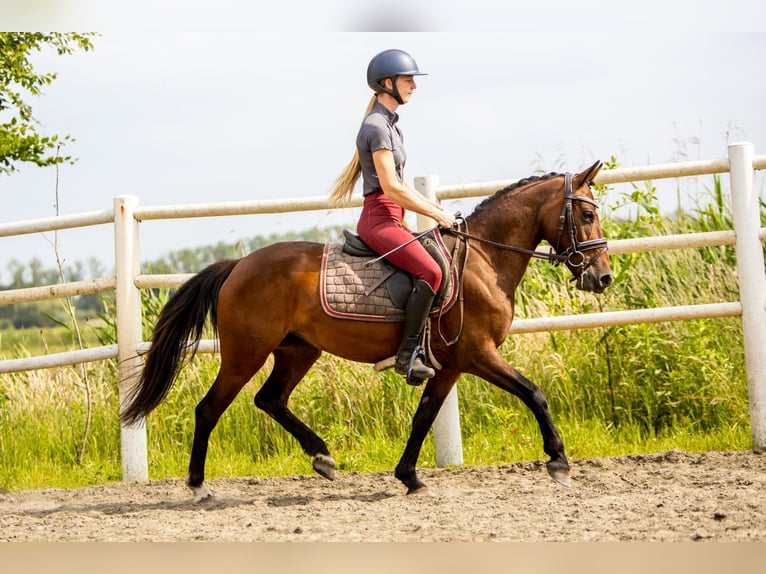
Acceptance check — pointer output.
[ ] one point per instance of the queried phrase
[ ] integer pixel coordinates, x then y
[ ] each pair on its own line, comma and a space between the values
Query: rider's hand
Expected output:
445, 219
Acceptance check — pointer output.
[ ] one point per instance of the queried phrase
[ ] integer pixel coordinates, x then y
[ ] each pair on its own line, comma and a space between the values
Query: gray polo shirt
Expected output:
379, 131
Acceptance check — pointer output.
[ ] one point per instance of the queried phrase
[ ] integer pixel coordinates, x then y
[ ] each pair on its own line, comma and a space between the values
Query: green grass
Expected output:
612, 391
34, 341
363, 416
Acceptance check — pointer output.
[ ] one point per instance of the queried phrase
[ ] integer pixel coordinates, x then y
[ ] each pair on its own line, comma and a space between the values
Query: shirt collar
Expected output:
391, 117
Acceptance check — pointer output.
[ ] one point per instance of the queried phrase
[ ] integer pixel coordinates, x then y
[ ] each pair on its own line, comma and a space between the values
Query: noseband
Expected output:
573, 255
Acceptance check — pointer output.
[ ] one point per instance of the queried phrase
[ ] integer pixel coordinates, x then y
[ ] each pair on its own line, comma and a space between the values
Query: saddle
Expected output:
356, 283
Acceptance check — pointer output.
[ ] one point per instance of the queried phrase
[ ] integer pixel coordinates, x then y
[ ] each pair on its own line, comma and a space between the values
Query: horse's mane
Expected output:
488, 202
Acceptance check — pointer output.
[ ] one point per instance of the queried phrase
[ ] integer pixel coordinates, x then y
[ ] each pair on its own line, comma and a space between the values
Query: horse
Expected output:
267, 302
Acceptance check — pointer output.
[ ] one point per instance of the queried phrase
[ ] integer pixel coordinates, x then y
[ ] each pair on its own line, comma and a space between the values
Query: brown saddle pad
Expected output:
349, 288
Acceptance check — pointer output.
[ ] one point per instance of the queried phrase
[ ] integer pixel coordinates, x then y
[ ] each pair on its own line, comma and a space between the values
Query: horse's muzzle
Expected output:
592, 280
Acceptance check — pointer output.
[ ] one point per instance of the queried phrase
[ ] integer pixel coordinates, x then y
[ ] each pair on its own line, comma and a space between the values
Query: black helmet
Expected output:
389, 64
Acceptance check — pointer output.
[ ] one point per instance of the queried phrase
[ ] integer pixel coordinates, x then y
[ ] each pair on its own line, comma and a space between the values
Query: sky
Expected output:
179, 106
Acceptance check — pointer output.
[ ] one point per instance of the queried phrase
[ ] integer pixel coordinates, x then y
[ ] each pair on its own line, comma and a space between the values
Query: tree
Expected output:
20, 140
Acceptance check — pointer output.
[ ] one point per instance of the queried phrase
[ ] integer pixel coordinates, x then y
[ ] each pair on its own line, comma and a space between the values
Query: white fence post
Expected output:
752, 282
447, 440
127, 267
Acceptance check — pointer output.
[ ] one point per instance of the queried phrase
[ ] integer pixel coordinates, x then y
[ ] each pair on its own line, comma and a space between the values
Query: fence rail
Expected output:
747, 238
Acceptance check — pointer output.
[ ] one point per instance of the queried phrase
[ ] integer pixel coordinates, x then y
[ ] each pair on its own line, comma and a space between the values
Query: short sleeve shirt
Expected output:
379, 131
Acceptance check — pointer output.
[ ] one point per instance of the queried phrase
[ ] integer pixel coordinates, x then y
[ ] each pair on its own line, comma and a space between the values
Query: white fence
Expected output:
747, 237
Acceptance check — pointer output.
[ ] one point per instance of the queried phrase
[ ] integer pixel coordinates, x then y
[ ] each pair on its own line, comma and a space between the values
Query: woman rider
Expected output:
380, 158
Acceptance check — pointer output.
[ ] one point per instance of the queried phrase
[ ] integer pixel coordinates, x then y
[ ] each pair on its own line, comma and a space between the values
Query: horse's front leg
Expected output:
493, 368
435, 392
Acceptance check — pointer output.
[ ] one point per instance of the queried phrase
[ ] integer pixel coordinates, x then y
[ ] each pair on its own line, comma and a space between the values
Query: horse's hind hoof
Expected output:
560, 473
201, 493
324, 465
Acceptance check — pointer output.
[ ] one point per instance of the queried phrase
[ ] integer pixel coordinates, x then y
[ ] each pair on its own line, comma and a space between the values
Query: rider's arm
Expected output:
403, 194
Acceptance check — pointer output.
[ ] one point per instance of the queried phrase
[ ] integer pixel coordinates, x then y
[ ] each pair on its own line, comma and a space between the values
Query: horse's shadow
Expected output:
284, 501
212, 504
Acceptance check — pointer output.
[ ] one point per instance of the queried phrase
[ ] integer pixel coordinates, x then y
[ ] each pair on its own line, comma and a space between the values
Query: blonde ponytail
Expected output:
344, 184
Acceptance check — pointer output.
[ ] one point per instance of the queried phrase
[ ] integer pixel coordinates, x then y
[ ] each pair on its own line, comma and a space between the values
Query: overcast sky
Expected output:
239, 109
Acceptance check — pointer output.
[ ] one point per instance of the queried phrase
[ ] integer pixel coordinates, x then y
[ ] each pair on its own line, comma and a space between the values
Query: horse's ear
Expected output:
589, 174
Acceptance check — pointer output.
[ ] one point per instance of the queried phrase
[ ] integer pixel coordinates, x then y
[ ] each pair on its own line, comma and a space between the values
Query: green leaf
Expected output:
20, 141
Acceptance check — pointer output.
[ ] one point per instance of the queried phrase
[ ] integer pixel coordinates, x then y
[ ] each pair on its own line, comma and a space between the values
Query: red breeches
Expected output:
380, 227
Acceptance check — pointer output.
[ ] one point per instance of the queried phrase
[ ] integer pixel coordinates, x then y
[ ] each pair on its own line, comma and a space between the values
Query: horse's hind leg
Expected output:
232, 376
292, 359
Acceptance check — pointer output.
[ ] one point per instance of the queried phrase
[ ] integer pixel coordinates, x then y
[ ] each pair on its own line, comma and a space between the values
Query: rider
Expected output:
380, 158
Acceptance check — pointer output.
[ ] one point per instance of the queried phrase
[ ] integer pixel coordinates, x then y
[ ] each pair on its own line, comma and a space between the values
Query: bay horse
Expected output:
268, 302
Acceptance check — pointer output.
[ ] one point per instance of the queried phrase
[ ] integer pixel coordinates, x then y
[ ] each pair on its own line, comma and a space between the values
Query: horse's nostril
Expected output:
606, 281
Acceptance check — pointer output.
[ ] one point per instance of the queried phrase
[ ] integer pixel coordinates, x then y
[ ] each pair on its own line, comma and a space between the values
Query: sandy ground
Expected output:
672, 496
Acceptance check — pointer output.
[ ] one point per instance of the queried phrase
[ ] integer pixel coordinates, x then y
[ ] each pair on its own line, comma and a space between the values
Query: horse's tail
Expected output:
179, 329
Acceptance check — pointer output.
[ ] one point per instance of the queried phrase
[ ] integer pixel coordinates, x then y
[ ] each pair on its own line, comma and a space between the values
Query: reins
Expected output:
573, 255
551, 257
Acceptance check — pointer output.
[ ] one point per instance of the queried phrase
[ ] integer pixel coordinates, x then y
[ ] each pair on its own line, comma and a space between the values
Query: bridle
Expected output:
574, 255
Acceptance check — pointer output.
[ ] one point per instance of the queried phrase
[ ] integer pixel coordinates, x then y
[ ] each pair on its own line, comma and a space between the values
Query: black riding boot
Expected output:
408, 360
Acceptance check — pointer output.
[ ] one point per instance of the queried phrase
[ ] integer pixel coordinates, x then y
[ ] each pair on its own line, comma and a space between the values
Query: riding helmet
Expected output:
389, 64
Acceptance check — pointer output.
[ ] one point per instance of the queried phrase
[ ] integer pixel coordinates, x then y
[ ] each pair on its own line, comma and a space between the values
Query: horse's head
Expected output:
574, 231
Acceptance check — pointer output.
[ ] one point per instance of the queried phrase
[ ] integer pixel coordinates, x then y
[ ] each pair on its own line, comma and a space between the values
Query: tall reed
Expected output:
612, 391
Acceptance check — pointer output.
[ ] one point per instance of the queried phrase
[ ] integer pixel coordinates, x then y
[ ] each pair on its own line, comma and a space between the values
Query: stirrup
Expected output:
417, 353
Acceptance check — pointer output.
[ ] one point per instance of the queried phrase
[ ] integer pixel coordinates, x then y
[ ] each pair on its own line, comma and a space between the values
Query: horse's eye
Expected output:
588, 216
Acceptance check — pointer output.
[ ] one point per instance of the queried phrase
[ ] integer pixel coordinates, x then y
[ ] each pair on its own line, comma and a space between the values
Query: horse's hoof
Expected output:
560, 473
201, 493
418, 490
324, 465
